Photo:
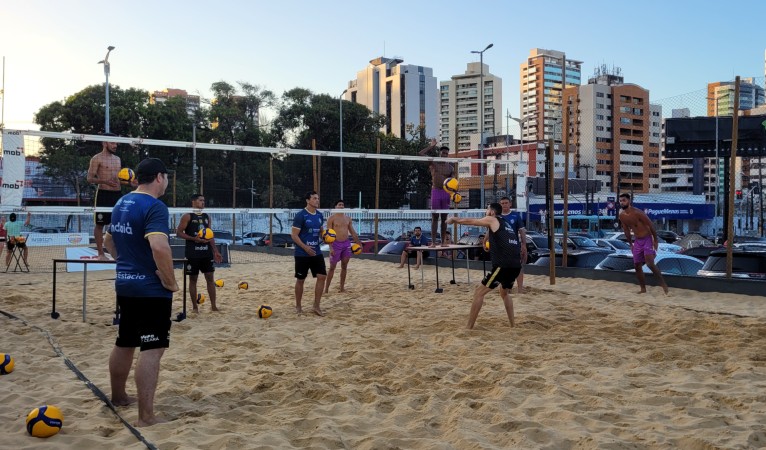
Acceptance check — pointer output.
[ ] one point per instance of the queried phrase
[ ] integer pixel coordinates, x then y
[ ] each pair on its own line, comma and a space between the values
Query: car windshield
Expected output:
619, 245
753, 263
583, 241
542, 242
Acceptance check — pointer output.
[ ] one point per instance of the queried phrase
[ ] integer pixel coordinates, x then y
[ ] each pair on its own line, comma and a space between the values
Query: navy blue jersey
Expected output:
309, 225
418, 241
135, 217
515, 220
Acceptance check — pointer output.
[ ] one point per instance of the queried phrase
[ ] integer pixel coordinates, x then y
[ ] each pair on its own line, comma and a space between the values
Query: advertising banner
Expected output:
84, 253
12, 183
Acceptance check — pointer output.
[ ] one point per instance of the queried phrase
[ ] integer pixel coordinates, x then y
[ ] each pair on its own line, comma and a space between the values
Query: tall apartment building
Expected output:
461, 106
614, 133
542, 83
192, 101
720, 97
406, 94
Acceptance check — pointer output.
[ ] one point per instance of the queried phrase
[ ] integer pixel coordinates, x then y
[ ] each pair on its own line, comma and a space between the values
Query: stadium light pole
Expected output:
340, 102
481, 115
105, 62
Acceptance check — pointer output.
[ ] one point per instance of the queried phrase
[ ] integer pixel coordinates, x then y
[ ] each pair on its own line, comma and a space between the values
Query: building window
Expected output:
599, 94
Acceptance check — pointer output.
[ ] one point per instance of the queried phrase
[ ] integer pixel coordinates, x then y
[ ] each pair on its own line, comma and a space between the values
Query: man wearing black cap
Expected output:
138, 240
102, 171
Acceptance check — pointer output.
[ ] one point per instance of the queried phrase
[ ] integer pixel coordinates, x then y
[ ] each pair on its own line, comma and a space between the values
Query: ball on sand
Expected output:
264, 312
6, 364
44, 421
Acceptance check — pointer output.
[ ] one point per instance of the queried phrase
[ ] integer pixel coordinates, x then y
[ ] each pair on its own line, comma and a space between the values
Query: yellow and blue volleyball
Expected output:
356, 249
44, 421
264, 312
6, 364
200, 299
457, 198
451, 185
243, 285
219, 283
329, 236
486, 245
126, 175
205, 233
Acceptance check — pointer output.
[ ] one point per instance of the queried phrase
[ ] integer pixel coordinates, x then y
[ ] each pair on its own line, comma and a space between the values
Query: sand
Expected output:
589, 365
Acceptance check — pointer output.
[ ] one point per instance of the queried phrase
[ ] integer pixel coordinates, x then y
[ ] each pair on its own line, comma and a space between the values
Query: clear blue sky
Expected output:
669, 47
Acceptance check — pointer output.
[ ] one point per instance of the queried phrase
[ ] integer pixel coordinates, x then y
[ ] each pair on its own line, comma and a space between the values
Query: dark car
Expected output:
745, 264
668, 236
584, 259
582, 243
702, 252
612, 244
277, 240
537, 246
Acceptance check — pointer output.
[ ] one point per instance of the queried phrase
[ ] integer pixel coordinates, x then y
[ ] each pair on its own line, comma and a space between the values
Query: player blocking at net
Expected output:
505, 253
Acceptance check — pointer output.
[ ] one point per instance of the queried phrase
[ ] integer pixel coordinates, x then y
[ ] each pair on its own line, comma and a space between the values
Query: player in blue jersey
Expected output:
138, 239
306, 232
516, 222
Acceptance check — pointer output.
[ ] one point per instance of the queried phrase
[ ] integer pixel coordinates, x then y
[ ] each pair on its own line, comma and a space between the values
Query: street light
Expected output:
521, 123
105, 62
481, 115
340, 101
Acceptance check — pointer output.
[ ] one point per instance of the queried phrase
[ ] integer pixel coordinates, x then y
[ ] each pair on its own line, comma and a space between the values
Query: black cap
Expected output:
150, 167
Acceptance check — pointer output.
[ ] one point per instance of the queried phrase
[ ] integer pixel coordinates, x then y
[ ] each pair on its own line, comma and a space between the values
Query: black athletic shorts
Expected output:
196, 265
305, 263
414, 253
10, 245
144, 322
504, 276
105, 198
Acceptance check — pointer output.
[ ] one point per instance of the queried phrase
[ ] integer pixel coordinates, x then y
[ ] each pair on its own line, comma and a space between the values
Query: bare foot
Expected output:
299, 311
103, 257
665, 288
127, 401
318, 311
326, 292
214, 309
445, 245
642, 291
417, 267
341, 290
400, 266
148, 423
432, 244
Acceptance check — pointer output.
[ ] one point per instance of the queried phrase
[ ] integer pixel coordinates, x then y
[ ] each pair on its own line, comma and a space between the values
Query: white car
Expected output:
668, 263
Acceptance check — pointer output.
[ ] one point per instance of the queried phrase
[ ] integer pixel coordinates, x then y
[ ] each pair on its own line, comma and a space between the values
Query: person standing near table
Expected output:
13, 233
505, 253
138, 239
517, 223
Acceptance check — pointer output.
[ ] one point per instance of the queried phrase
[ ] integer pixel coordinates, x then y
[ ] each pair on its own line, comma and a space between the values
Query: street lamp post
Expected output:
717, 98
481, 115
340, 102
105, 62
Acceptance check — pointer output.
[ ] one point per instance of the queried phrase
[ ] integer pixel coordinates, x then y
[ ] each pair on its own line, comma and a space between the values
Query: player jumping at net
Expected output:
200, 252
505, 252
340, 249
643, 242
102, 171
439, 197
306, 232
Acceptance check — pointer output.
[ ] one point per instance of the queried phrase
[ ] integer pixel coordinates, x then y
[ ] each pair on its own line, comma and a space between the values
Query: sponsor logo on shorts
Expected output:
145, 338
130, 276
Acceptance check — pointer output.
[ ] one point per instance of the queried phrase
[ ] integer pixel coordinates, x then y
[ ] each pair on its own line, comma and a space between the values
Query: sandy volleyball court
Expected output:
588, 366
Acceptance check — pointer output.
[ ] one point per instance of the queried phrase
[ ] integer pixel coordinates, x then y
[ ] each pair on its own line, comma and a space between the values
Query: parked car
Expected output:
579, 242
702, 252
252, 237
48, 230
225, 237
612, 244
668, 263
746, 263
582, 258
667, 236
279, 240
537, 246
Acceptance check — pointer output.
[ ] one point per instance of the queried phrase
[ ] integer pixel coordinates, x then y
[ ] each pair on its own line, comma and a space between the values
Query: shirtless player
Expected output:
340, 249
439, 197
645, 246
103, 170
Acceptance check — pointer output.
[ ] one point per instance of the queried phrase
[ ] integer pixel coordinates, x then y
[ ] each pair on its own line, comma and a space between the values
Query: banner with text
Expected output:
84, 254
12, 182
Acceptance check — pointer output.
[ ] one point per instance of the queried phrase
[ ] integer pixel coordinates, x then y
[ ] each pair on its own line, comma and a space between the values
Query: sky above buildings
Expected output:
51, 48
